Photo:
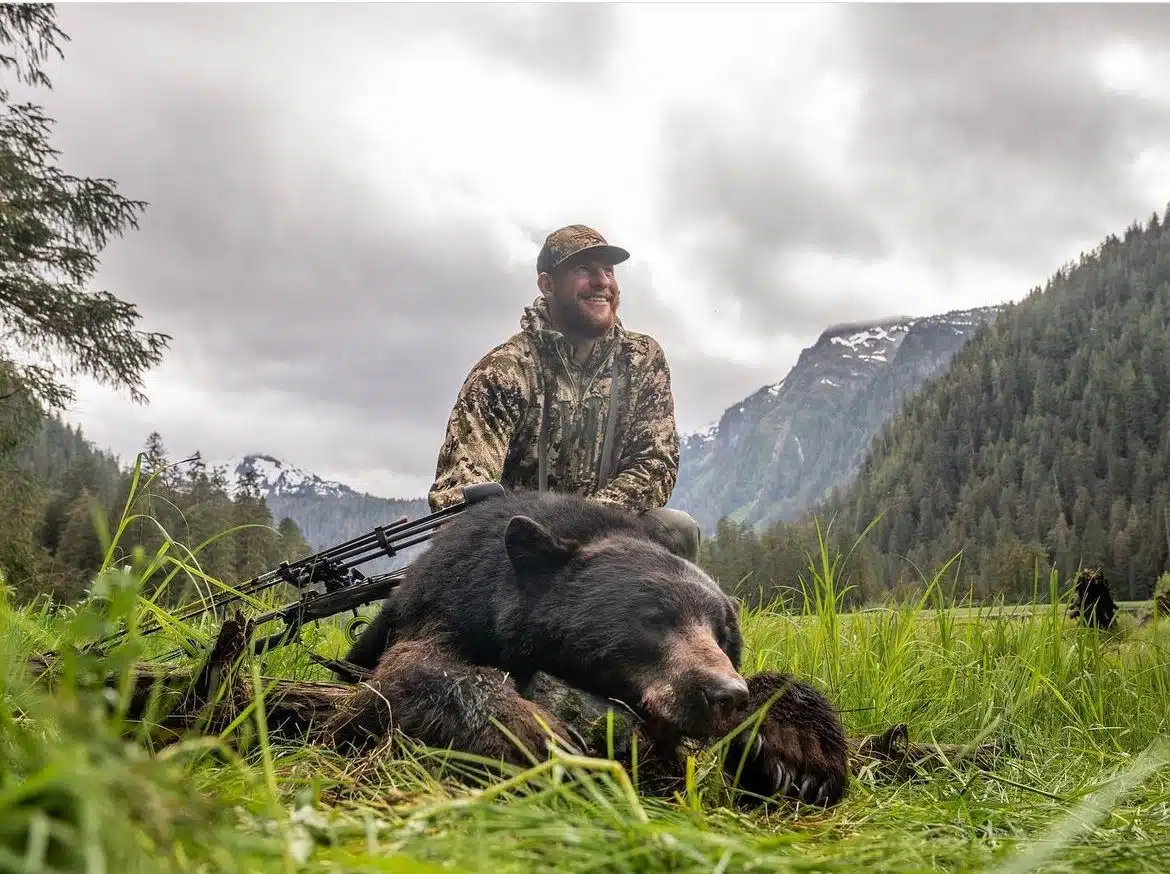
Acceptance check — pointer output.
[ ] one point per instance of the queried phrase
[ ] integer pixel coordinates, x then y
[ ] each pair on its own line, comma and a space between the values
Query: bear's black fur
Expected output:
525, 586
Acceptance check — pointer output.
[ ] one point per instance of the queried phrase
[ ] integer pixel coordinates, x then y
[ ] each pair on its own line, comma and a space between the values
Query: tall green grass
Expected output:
1083, 714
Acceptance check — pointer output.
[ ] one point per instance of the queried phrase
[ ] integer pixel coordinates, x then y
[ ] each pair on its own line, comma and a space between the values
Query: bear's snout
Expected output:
726, 693
697, 688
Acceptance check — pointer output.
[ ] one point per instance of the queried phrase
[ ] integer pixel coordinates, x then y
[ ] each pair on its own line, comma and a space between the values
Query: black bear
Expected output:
528, 586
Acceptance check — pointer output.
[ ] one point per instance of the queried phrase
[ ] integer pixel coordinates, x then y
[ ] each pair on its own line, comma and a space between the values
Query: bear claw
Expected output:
807, 787
575, 744
799, 749
783, 780
811, 789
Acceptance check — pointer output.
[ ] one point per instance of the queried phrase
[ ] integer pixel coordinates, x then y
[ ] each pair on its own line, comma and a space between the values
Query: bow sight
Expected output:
329, 581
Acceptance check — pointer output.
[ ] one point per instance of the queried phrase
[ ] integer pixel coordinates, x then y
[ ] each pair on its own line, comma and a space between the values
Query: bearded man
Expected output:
573, 402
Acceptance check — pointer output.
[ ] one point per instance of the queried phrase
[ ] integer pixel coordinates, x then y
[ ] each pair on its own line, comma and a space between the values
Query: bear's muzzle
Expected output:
697, 689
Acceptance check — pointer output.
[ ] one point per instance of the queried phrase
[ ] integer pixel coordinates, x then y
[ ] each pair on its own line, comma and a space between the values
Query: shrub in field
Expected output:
1092, 599
1162, 595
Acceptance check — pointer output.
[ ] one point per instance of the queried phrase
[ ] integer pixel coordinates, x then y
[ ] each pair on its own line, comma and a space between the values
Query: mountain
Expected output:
278, 480
788, 445
327, 512
1046, 442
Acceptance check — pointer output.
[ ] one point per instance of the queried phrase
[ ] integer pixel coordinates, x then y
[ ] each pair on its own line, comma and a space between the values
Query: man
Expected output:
573, 402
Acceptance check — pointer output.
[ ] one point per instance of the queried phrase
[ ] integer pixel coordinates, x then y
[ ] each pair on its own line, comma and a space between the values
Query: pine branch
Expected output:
53, 228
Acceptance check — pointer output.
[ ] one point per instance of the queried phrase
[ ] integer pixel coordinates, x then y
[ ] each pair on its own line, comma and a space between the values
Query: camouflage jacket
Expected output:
528, 390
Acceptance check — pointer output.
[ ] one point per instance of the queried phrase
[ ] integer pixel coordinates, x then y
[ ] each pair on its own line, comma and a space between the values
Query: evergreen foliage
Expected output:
53, 227
1048, 438
328, 520
68, 492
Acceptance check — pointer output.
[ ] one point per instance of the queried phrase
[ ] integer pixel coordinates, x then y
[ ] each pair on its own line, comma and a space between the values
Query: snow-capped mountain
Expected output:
276, 478
778, 451
327, 512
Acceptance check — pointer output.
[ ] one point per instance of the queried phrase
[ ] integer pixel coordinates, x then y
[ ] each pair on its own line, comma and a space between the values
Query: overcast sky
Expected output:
346, 201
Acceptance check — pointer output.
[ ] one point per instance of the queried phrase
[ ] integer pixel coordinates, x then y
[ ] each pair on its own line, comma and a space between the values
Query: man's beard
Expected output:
576, 322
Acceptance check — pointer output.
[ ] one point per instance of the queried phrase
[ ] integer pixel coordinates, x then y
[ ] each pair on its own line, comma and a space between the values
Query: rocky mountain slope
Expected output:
327, 512
786, 446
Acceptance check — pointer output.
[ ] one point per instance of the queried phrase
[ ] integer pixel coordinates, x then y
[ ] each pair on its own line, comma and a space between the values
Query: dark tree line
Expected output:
67, 491
777, 566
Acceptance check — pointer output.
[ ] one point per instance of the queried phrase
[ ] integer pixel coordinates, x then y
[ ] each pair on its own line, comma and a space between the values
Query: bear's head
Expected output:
622, 617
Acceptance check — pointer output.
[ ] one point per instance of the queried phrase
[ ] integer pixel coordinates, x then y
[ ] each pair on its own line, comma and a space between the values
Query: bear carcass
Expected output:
527, 586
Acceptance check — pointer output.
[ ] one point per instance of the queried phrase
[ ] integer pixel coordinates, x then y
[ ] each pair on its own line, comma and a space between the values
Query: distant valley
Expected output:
766, 459
326, 512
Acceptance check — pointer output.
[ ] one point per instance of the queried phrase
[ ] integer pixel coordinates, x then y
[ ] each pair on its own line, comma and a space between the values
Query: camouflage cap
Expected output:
571, 240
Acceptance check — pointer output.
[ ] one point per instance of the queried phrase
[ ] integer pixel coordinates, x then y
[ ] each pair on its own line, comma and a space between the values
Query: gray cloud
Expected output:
295, 285
276, 270
751, 206
350, 301
984, 138
989, 132
571, 41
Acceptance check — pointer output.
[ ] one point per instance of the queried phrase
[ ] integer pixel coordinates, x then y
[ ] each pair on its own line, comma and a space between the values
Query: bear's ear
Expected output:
532, 547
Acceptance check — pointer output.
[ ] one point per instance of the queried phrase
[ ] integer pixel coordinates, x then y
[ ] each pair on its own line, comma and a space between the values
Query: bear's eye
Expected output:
724, 637
655, 617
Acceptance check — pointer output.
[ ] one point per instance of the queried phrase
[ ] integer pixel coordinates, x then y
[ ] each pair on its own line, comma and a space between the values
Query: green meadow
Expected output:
1080, 714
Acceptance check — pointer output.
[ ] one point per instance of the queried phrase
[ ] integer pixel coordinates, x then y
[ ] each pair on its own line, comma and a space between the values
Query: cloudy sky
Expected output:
346, 201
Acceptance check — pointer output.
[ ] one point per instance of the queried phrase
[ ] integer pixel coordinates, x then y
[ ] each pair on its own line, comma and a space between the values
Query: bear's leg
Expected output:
799, 750
611, 731
433, 697
676, 530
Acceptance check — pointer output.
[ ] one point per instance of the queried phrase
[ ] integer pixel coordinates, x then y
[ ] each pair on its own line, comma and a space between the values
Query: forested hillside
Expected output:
1047, 440
52, 487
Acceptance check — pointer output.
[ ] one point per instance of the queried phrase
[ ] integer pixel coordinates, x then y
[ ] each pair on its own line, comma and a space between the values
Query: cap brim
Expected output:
611, 254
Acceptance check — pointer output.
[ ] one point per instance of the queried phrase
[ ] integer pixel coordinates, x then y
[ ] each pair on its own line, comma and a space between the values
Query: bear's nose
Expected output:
726, 692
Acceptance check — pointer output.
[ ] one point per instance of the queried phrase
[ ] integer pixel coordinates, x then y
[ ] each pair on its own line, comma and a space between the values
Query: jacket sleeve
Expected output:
646, 467
483, 420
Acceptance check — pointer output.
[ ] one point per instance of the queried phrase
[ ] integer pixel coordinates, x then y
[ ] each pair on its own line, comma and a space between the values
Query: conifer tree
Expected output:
292, 544
53, 227
79, 547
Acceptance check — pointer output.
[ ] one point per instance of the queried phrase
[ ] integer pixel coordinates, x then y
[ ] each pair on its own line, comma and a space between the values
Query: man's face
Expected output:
583, 297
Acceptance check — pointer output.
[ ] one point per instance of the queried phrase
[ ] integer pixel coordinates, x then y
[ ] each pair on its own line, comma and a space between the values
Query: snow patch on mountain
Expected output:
815, 423
277, 478
873, 343
868, 337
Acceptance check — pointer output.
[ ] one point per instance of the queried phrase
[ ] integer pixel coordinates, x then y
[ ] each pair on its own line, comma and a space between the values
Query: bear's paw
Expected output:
798, 751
